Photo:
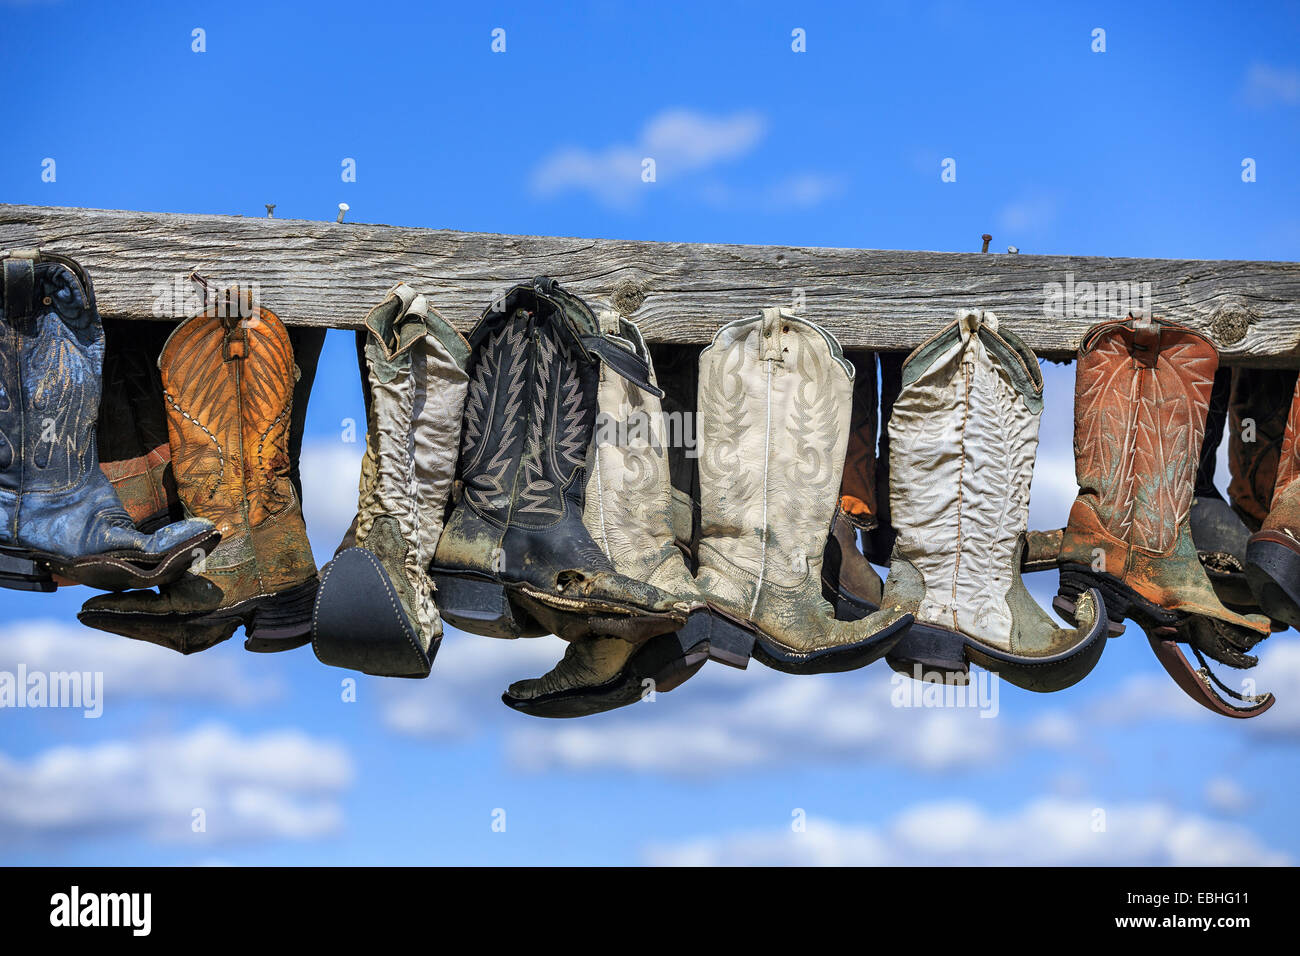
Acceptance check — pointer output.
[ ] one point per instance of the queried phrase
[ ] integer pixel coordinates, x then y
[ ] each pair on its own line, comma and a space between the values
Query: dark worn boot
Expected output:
514, 558
964, 435
375, 610
228, 379
1273, 552
629, 514
1142, 390
59, 515
1258, 404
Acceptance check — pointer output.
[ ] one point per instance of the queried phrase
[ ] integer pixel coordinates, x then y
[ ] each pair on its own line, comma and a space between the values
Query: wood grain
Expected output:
329, 274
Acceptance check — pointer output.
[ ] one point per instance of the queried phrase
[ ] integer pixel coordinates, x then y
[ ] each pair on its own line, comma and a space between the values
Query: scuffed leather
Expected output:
628, 511
416, 375
54, 499
774, 405
963, 439
528, 425
1260, 398
228, 383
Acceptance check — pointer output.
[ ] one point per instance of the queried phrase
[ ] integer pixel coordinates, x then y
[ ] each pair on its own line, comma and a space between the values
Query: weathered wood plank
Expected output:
324, 273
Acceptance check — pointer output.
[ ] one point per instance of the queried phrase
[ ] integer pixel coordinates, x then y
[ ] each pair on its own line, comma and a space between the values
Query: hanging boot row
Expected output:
524, 480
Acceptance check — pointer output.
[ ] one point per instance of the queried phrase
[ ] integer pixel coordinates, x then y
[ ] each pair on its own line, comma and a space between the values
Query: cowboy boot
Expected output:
1142, 388
1217, 530
514, 558
629, 513
375, 611
1273, 552
59, 515
963, 437
774, 406
134, 451
228, 377
1258, 404
849, 581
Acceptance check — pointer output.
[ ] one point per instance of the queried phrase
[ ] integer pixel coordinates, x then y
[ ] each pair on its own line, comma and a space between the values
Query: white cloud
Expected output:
132, 669
680, 142
463, 694
1226, 795
725, 720
1047, 831
278, 784
1267, 85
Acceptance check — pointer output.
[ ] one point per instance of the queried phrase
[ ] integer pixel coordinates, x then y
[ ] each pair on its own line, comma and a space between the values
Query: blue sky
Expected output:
1136, 151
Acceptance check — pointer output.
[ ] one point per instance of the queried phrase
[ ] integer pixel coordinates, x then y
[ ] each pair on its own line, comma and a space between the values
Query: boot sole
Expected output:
732, 633
658, 666
1273, 571
114, 570
478, 604
358, 623
283, 621
245, 614
18, 572
949, 653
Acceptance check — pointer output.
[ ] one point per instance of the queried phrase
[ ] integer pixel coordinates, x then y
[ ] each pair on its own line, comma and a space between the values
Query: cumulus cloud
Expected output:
1047, 831
132, 669
274, 785
1268, 85
463, 695
680, 142
760, 719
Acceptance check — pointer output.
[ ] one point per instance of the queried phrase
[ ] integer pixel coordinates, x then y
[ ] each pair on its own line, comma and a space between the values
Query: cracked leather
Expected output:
1142, 390
530, 413
228, 381
415, 370
54, 497
774, 408
963, 440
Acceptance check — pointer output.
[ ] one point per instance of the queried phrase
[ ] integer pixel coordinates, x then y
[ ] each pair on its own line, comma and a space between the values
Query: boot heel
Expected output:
1077, 579
1273, 571
283, 621
479, 606
924, 652
359, 623
21, 574
729, 643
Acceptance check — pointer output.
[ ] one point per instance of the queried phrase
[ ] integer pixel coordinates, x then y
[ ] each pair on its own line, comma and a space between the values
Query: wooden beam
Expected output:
330, 274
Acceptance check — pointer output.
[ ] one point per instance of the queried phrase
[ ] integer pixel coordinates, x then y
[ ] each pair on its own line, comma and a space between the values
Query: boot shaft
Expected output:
629, 504
1284, 502
228, 377
774, 405
963, 439
1142, 389
51, 360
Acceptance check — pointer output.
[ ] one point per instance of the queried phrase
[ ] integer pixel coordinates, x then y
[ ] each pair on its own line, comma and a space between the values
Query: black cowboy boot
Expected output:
514, 558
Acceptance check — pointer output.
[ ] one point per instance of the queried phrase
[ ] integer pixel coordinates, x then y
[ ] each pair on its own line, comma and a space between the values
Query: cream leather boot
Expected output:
774, 402
963, 436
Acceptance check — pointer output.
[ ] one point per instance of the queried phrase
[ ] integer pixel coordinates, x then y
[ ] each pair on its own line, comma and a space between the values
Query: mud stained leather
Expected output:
963, 440
228, 379
375, 609
59, 513
1142, 392
516, 528
774, 407
628, 512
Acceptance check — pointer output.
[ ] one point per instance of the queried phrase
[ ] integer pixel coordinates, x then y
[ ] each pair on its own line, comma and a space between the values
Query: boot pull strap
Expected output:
620, 360
20, 282
1146, 340
771, 347
234, 307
